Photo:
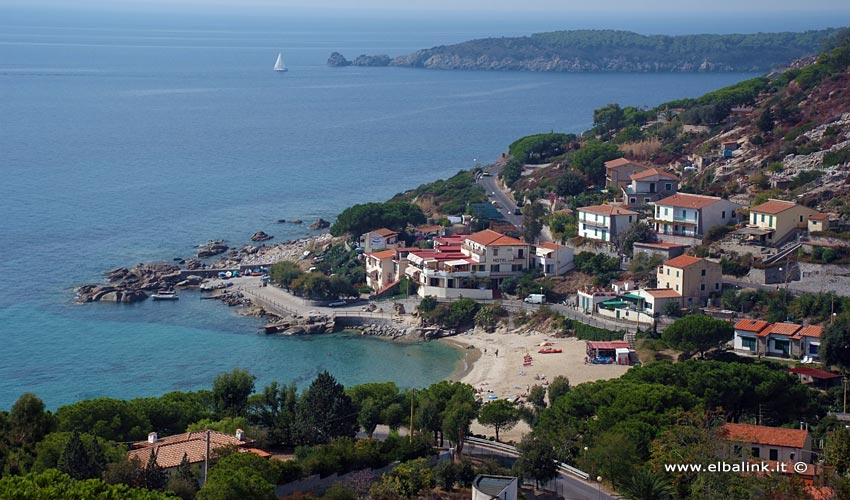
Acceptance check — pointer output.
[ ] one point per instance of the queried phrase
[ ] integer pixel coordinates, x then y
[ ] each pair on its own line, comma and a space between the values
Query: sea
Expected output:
131, 137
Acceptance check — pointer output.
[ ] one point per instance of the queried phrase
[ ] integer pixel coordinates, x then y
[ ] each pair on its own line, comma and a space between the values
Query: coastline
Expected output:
471, 354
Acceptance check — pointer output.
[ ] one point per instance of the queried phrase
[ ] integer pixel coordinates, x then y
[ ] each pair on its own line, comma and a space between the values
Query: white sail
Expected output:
278, 65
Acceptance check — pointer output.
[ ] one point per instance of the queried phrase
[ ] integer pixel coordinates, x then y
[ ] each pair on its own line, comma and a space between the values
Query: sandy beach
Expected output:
506, 376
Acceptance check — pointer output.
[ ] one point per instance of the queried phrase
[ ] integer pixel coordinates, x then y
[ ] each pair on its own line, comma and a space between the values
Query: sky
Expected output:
559, 6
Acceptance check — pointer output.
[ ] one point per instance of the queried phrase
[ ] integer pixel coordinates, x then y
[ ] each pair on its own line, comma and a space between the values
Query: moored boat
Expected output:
165, 295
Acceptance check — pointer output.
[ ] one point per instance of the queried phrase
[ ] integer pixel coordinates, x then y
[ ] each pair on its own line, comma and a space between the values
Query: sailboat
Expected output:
278, 65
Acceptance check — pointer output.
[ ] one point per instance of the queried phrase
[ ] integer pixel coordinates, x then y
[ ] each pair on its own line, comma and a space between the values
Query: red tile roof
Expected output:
773, 207
663, 293
619, 162
489, 237
607, 210
169, 450
685, 200
384, 232
550, 246
809, 331
607, 345
814, 373
651, 173
384, 254
682, 261
770, 436
819, 217
780, 329
751, 325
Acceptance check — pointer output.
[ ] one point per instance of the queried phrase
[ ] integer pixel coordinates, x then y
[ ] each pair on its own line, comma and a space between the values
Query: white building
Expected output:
648, 186
604, 222
379, 239
553, 259
686, 218
487, 487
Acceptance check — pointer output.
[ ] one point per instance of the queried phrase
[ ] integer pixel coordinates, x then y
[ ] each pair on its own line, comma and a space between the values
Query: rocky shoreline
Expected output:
134, 284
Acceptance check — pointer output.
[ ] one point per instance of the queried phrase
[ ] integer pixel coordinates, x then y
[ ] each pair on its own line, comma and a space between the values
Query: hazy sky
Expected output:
560, 6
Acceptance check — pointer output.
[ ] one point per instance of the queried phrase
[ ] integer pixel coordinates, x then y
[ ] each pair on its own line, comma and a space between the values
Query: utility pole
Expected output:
207, 459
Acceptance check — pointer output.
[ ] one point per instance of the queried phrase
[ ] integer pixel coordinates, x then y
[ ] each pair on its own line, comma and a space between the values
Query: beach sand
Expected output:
506, 376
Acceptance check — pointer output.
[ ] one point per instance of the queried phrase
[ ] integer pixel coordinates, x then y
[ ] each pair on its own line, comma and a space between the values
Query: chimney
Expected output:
240, 434
152, 437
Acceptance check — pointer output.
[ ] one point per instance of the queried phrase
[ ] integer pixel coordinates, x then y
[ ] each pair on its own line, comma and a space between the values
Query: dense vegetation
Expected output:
446, 196
359, 219
609, 50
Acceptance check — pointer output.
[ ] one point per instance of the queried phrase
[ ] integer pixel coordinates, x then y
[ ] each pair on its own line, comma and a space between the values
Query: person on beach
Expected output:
497, 353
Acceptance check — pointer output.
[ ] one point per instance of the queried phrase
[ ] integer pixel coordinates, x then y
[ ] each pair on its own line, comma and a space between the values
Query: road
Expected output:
506, 204
565, 485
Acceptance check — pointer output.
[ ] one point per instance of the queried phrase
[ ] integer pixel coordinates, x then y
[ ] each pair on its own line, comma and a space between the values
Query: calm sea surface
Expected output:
120, 145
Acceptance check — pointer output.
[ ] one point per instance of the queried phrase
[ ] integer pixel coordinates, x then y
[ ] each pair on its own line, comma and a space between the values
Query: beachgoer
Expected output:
497, 353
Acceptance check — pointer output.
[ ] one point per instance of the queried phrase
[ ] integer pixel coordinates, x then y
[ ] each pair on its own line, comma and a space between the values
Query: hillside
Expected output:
614, 51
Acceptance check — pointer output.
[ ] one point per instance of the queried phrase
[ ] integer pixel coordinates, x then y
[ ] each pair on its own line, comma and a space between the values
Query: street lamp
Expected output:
599, 487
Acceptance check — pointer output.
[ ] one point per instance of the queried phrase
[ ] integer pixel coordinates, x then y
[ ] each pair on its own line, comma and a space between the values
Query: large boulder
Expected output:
320, 224
261, 236
337, 60
211, 249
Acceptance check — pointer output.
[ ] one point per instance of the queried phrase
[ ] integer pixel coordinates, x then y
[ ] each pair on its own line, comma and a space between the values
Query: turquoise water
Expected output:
121, 144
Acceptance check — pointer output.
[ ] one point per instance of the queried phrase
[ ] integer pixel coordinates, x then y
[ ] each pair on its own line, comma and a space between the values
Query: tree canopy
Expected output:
698, 332
362, 218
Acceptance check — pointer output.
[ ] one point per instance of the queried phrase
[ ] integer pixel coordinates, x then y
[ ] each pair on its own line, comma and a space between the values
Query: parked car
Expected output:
517, 211
535, 298
337, 303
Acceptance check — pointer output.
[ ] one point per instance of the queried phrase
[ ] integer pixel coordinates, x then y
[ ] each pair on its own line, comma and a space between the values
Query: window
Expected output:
516, 267
668, 271
665, 211
774, 454
632, 201
630, 218
677, 274
748, 343
717, 286
519, 254
781, 346
702, 287
677, 289
723, 214
702, 273
756, 452
801, 220
668, 187
792, 455
813, 349
646, 200
495, 252
494, 268
762, 217
754, 218
684, 214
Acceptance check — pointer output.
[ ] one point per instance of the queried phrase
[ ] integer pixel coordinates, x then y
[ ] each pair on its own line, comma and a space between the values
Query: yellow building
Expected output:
775, 221
692, 277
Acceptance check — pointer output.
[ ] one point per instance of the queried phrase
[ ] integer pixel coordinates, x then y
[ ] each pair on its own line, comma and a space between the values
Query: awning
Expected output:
459, 262
633, 296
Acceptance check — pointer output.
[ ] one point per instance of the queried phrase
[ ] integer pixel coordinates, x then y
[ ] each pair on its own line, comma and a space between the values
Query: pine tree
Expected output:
75, 460
153, 477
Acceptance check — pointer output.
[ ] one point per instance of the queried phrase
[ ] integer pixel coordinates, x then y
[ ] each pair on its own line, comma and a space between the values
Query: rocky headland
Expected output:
337, 60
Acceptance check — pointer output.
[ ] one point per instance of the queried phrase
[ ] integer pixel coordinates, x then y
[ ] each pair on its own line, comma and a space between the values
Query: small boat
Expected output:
165, 295
550, 350
278, 64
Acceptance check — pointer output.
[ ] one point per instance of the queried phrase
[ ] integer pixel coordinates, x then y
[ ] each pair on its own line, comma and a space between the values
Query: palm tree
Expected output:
647, 484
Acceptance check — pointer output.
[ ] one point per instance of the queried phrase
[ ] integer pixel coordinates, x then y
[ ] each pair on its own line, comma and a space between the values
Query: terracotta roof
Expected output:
773, 207
682, 261
550, 246
619, 162
488, 237
751, 325
169, 450
814, 373
383, 254
686, 200
809, 331
819, 217
607, 210
651, 173
383, 232
770, 436
780, 329
663, 293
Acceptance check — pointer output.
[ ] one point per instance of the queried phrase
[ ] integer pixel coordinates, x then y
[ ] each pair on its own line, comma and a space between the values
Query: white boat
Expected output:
165, 295
278, 65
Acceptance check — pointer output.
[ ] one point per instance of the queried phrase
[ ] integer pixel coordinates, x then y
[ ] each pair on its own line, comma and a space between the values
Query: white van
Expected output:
536, 298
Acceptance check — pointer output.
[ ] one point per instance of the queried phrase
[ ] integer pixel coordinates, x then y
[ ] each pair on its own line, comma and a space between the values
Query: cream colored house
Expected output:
769, 443
776, 220
692, 277
379, 239
655, 300
618, 172
686, 218
604, 222
819, 222
384, 268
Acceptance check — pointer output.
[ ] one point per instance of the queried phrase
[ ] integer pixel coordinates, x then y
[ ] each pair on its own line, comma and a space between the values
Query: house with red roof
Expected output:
618, 172
774, 222
553, 259
664, 249
692, 277
469, 266
746, 333
169, 451
775, 340
769, 443
604, 222
379, 239
817, 378
686, 218
819, 222
648, 186
655, 300
806, 342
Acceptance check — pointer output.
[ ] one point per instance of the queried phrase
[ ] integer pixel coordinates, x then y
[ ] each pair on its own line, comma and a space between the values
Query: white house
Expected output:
686, 218
746, 333
775, 340
553, 259
589, 298
806, 342
655, 300
604, 222
488, 487
379, 239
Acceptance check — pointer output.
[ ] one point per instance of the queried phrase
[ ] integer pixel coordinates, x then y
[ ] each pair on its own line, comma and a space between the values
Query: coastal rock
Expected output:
281, 221
296, 221
320, 224
371, 61
193, 264
261, 236
337, 60
212, 248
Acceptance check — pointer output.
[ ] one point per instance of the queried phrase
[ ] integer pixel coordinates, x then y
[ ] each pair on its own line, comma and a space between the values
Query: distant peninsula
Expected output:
582, 51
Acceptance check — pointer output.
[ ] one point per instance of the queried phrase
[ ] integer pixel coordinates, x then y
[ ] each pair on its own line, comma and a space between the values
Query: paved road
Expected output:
506, 204
565, 485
